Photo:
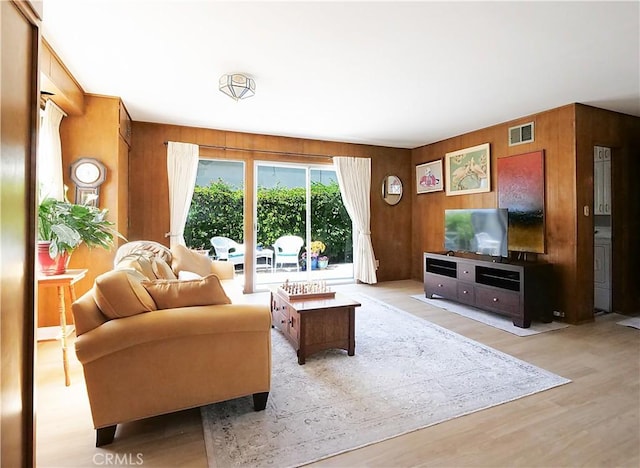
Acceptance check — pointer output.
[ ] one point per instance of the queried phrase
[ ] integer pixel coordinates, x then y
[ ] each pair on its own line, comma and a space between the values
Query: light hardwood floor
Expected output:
593, 421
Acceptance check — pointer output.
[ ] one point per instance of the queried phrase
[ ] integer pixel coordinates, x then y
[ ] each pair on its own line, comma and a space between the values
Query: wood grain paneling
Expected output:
149, 206
568, 188
96, 133
125, 124
554, 135
621, 133
56, 79
20, 37
123, 189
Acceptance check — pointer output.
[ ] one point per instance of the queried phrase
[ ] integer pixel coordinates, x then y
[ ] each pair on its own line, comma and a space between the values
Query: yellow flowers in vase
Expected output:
316, 248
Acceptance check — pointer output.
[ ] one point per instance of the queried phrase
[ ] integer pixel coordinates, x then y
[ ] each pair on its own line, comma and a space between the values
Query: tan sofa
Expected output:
149, 351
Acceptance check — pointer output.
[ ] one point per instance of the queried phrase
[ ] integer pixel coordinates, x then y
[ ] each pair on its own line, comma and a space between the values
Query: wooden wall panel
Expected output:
56, 79
567, 135
20, 38
621, 133
123, 189
555, 135
391, 226
94, 134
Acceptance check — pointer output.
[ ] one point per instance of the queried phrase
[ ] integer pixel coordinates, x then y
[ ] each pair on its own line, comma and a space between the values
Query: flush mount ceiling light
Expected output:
237, 86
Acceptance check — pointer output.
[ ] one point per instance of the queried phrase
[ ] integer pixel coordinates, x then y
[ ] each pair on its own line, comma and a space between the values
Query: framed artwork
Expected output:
429, 177
521, 191
468, 170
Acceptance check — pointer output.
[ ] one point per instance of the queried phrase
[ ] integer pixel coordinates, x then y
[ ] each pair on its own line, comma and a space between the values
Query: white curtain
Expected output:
354, 178
50, 182
182, 168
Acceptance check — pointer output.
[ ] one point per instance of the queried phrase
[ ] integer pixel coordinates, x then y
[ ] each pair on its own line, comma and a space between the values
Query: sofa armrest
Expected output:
224, 270
161, 325
86, 314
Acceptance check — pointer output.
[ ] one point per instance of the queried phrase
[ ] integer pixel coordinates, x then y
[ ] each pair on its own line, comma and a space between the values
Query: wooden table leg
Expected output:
352, 331
302, 340
63, 329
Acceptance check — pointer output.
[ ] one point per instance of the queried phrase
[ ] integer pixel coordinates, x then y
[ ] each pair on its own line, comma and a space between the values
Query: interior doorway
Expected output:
602, 219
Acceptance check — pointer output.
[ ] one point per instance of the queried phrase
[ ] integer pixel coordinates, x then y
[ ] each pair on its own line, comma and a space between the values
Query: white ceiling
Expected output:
384, 73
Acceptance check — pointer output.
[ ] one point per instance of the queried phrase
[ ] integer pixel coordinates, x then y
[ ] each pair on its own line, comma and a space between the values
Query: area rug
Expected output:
488, 318
407, 374
633, 322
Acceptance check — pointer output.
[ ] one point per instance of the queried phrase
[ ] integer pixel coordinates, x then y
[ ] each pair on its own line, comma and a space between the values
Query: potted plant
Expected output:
316, 248
323, 262
63, 226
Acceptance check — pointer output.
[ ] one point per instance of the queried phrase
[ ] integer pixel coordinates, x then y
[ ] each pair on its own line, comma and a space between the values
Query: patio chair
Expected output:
228, 249
286, 250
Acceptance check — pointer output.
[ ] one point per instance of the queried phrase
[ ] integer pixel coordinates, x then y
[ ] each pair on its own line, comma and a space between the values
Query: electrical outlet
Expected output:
377, 263
558, 313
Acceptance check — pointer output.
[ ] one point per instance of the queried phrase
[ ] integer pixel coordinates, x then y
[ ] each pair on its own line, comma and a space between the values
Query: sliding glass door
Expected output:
215, 223
302, 229
331, 229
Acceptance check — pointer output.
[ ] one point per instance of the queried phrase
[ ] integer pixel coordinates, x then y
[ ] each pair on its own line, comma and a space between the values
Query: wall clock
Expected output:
88, 174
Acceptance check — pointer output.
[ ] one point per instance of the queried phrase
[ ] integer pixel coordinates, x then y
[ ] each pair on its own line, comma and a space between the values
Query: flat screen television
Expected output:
481, 231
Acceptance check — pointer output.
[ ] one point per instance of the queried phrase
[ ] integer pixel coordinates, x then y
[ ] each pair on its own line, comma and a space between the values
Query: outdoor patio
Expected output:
338, 272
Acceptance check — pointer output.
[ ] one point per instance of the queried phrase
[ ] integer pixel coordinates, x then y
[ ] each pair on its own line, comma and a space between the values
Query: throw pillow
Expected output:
153, 249
137, 262
185, 259
169, 294
188, 275
120, 294
162, 269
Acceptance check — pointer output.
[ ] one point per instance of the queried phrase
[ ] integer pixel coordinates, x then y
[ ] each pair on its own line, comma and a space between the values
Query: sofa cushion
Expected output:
185, 259
184, 275
141, 263
161, 269
151, 248
169, 294
121, 294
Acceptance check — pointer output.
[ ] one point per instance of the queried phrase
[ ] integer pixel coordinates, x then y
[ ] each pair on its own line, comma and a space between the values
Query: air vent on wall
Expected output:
521, 134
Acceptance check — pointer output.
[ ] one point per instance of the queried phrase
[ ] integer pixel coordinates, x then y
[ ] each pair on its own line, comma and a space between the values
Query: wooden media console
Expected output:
519, 290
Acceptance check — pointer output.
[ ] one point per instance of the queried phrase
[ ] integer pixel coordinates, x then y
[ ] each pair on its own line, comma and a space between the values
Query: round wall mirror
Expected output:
391, 189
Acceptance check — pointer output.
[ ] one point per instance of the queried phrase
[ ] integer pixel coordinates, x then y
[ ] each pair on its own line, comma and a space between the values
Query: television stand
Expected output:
519, 290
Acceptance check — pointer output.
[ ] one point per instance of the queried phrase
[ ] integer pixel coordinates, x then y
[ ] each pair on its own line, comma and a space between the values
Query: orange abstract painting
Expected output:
521, 191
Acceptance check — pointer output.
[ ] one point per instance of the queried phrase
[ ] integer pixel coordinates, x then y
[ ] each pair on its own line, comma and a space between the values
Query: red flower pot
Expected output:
51, 266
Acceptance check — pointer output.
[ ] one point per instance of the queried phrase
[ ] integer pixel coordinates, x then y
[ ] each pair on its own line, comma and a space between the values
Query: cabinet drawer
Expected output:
466, 293
466, 272
505, 302
278, 314
440, 285
294, 325
279, 320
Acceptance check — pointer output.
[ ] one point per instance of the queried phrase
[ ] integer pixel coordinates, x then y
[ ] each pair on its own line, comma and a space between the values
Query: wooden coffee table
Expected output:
313, 325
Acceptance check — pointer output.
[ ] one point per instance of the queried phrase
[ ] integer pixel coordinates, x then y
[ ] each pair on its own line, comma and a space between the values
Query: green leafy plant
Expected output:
66, 225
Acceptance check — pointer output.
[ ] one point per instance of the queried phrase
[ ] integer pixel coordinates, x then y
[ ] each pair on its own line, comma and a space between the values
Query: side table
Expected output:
267, 254
64, 284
